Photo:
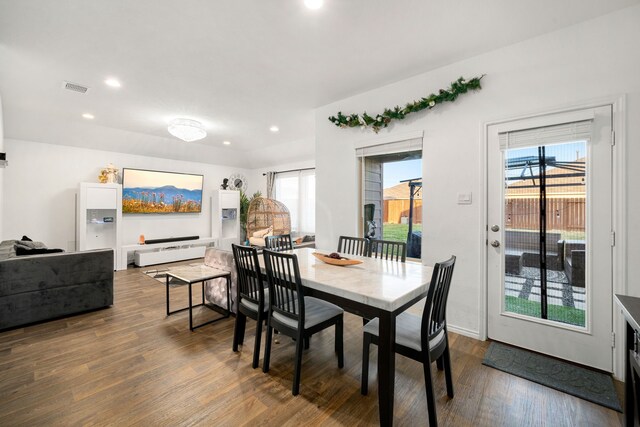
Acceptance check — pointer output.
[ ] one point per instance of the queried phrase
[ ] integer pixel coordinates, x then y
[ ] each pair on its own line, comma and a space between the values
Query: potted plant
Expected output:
245, 201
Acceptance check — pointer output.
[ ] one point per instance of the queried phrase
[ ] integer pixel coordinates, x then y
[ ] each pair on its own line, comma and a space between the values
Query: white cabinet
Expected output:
225, 217
99, 217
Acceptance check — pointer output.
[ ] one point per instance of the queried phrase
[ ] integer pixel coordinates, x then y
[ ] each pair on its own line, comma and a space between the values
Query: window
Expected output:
390, 196
297, 190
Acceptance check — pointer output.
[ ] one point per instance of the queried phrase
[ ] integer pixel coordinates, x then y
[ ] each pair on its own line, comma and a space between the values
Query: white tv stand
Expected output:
159, 253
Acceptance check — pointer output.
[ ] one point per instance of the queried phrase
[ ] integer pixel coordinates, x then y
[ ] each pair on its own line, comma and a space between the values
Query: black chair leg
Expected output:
339, 347
307, 343
238, 332
447, 370
431, 399
439, 364
298, 367
267, 349
364, 385
256, 346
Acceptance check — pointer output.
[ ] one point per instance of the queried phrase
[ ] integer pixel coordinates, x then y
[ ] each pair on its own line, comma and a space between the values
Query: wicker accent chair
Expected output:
264, 213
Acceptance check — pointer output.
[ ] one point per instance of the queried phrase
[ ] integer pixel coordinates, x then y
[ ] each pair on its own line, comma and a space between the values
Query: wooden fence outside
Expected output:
562, 213
397, 208
520, 213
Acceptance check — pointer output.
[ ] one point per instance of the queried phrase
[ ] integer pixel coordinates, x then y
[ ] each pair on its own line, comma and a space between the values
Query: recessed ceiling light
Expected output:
226, 142
274, 128
111, 82
88, 116
313, 4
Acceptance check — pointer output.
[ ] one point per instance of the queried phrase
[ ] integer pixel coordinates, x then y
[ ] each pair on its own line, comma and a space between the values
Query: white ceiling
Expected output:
237, 66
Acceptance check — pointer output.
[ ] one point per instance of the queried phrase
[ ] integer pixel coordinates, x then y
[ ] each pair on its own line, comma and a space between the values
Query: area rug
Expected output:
584, 383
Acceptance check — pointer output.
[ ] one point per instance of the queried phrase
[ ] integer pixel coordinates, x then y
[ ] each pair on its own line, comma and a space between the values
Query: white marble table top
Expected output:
196, 273
376, 282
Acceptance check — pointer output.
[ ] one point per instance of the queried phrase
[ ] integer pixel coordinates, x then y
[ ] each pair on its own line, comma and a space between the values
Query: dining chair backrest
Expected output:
353, 245
435, 309
386, 249
249, 278
280, 242
285, 286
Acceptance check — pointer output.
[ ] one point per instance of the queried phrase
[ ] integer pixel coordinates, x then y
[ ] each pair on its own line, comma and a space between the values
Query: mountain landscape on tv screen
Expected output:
166, 199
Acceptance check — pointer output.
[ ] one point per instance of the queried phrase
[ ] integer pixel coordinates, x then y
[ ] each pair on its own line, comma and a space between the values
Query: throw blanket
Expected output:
28, 245
8, 249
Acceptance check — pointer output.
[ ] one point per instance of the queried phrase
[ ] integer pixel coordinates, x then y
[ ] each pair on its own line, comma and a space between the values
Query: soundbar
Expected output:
170, 239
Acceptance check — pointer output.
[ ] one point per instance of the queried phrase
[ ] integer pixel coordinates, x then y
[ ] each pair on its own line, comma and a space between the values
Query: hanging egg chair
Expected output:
264, 213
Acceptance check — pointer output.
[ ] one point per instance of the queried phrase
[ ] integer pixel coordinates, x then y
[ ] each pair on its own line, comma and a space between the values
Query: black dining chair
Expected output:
295, 315
280, 242
423, 339
353, 245
253, 298
387, 249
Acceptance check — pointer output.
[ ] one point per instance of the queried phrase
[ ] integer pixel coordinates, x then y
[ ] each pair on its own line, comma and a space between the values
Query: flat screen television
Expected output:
151, 192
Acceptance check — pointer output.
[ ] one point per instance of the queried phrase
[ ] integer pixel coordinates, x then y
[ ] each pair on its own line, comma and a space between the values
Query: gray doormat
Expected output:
584, 383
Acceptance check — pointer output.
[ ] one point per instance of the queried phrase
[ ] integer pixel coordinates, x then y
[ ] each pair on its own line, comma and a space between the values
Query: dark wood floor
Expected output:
131, 365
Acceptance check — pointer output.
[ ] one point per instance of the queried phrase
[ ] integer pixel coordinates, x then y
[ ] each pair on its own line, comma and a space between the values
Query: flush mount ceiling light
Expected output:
226, 142
88, 116
274, 128
111, 82
313, 4
187, 130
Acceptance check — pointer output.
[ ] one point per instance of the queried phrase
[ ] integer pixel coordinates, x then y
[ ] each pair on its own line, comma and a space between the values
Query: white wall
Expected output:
590, 60
42, 180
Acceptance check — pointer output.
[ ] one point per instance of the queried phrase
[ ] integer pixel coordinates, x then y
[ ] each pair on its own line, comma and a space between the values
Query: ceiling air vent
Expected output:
75, 87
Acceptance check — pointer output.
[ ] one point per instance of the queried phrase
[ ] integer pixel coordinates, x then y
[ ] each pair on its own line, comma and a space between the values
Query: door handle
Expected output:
495, 243
495, 228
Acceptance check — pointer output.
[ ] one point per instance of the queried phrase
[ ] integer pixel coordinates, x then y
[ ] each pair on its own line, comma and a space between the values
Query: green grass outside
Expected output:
558, 313
397, 232
565, 234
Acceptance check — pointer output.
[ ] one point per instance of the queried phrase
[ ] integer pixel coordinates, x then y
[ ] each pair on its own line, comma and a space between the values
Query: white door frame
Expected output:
619, 217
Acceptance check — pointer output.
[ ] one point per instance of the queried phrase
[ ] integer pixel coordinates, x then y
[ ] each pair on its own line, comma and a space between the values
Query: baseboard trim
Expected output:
464, 331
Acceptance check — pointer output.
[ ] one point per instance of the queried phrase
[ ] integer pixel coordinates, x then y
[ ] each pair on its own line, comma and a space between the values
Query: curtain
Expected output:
271, 180
297, 190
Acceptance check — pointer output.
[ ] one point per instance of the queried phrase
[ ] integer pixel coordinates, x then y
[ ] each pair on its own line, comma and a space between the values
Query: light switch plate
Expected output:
464, 198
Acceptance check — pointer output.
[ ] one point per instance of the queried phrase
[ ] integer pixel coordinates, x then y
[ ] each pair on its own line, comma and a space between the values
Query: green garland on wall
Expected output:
378, 121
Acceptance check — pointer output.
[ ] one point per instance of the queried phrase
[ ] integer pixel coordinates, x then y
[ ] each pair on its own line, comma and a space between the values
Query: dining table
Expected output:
375, 288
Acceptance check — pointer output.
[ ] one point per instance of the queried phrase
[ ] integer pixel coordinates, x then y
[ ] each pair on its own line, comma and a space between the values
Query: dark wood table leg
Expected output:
190, 307
386, 367
229, 295
167, 286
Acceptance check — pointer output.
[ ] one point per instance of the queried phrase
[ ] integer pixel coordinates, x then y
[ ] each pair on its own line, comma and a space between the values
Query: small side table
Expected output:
192, 274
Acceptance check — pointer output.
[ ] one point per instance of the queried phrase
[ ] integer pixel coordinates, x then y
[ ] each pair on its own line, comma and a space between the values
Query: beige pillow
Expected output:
256, 241
262, 233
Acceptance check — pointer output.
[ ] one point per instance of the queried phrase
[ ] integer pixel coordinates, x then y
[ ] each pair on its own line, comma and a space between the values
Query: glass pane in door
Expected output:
544, 226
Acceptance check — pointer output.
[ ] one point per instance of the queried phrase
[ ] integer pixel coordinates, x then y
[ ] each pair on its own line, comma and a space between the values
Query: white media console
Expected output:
159, 253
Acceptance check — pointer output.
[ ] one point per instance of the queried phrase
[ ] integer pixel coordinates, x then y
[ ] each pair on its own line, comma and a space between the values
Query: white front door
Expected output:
549, 235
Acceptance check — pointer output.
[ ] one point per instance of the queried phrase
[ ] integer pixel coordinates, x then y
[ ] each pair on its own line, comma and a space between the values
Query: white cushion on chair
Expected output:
408, 328
316, 311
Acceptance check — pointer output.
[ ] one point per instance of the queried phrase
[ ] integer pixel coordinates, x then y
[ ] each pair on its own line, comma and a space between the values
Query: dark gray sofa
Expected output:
42, 287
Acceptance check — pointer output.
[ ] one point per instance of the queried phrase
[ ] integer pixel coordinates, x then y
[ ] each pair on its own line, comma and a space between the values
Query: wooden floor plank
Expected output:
132, 365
